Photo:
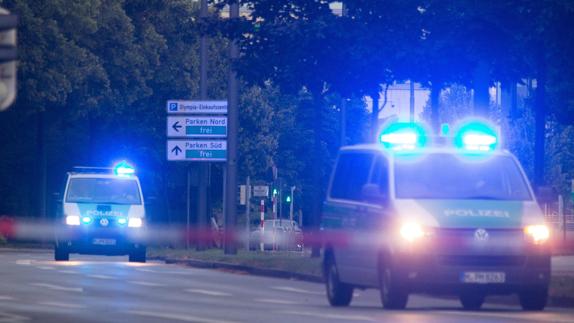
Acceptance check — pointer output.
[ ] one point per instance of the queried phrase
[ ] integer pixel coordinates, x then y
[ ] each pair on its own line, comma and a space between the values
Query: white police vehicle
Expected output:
103, 214
450, 214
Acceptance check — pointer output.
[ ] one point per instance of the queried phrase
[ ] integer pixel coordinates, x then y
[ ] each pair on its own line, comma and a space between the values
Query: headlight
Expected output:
412, 231
135, 222
73, 220
538, 233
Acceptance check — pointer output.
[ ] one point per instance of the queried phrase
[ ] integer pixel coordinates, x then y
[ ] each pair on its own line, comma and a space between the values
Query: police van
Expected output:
448, 214
103, 214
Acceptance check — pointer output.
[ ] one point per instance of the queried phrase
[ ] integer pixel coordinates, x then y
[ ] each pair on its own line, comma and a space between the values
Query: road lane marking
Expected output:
45, 267
145, 270
296, 290
63, 305
101, 276
11, 318
24, 262
343, 317
207, 292
6, 298
534, 317
144, 283
275, 301
68, 272
59, 288
178, 317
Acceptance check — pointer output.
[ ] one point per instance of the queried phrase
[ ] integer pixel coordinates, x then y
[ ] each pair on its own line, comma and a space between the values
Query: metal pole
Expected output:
343, 122
412, 101
203, 167
261, 224
187, 226
562, 216
233, 120
292, 202
247, 211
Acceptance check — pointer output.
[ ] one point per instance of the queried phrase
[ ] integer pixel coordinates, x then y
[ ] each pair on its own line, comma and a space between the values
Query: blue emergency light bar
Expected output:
471, 135
124, 169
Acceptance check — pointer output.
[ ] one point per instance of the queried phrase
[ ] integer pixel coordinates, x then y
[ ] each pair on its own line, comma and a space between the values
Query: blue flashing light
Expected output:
124, 169
476, 136
403, 136
122, 221
86, 220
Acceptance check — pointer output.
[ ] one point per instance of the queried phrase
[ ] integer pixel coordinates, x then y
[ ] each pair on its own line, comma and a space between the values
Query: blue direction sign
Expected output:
197, 150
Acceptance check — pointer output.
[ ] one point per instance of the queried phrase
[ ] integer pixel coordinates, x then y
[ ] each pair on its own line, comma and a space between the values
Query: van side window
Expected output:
380, 175
351, 174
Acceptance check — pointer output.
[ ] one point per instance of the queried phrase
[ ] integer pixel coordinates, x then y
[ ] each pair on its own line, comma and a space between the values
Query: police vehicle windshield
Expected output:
447, 176
103, 190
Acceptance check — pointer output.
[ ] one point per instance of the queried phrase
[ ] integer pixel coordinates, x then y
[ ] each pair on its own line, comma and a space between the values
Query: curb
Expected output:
275, 273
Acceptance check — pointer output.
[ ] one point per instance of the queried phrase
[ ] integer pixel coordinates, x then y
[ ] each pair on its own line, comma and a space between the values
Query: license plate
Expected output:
104, 242
483, 277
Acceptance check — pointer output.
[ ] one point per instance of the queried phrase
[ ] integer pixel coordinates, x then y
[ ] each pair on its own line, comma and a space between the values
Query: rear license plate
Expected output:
483, 277
104, 242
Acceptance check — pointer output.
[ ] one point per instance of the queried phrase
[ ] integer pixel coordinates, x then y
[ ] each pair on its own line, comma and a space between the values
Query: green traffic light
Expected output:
288, 199
274, 191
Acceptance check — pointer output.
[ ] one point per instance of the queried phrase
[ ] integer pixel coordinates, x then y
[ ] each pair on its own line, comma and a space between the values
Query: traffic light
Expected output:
8, 56
274, 192
288, 199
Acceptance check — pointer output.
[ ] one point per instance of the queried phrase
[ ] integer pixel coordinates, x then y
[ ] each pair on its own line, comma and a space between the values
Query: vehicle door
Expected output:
352, 174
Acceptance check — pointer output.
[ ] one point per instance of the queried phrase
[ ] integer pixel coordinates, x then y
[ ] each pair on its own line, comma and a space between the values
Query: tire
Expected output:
338, 294
471, 301
61, 254
138, 255
533, 299
393, 296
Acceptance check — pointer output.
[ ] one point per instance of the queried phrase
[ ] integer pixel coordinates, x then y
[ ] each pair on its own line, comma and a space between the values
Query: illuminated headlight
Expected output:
135, 222
412, 232
538, 233
73, 220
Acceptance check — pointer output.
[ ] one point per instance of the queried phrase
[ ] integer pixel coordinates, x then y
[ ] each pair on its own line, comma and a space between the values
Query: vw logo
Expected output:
104, 222
480, 235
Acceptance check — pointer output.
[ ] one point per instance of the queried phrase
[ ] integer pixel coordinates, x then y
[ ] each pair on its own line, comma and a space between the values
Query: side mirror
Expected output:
372, 194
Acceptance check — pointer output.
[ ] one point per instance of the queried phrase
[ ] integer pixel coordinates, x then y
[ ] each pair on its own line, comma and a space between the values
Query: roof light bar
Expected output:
403, 136
124, 169
477, 136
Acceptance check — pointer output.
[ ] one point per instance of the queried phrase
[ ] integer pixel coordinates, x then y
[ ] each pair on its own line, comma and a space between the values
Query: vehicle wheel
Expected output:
533, 299
338, 293
472, 301
138, 255
61, 254
393, 297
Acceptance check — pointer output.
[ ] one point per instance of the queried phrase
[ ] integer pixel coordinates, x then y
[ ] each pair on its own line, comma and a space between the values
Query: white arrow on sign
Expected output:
197, 150
196, 127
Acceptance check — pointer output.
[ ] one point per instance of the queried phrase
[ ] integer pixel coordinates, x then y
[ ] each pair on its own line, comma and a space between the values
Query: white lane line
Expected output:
6, 298
180, 272
534, 317
343, 317
296, 290
101, 276
63, 305
68, 272
60, 288
11, 318
45, 267
24, 262
145, 270
275, 301
144, 283
178, 317
207, 292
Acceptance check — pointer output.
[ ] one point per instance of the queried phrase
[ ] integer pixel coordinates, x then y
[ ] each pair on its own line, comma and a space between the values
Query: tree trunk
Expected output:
318, 173
435, 102
540, 121
375, 96
481, 98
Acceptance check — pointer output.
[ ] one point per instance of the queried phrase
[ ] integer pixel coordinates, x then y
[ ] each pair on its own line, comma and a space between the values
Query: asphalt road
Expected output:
109, 289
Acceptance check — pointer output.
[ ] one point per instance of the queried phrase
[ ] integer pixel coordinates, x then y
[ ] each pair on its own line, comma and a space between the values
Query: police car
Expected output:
447, 214
103, 214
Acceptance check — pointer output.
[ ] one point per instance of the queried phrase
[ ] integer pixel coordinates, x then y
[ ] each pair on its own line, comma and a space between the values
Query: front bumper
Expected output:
100, 241
439, 264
